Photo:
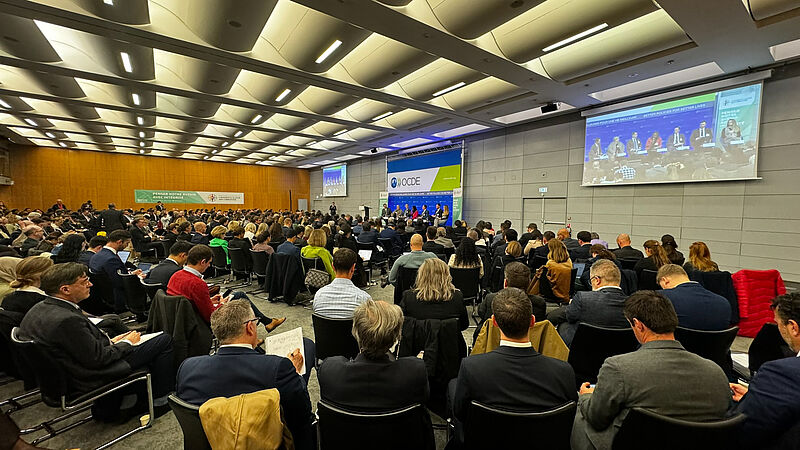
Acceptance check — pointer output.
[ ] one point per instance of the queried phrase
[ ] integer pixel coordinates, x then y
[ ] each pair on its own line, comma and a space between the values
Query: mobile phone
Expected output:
227, 293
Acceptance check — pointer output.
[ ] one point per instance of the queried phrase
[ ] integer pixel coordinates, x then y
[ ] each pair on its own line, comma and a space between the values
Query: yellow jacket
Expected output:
543, 335
247, 421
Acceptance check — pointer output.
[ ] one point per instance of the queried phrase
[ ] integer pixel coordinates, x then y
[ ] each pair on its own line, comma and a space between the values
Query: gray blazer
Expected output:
602, 307
662, 377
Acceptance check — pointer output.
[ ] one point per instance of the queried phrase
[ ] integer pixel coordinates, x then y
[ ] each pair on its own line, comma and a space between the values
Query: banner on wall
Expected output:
383, 200
458, 202
434, 172
203, 197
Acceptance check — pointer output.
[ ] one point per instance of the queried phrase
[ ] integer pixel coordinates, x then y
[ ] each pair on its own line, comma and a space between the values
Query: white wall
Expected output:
747, 224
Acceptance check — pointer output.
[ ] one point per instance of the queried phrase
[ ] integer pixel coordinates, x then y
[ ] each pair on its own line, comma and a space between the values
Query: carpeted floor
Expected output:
165, 432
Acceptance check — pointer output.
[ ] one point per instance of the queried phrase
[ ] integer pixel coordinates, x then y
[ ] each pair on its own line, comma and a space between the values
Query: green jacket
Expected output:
217, 242
309, 251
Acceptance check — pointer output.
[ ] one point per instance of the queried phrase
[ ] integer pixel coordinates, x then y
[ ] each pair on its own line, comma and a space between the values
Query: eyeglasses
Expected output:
254, 319
598, 278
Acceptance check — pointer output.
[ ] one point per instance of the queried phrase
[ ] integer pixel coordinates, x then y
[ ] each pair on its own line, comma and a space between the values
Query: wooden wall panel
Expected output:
41, 175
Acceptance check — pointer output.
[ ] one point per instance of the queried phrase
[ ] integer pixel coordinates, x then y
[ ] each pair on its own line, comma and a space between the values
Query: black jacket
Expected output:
581, 254
284, 277
139, 238
163, 272
628, 252
22, 301
421, 310
433, 247
112, 219
442, 342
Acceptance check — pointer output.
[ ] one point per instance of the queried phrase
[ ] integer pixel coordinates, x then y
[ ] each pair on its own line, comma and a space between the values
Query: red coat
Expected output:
189, 285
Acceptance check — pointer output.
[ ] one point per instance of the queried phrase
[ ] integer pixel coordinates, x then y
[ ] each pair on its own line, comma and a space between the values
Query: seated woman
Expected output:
434, 296
466, 257
375, 380
240, 241
559, 272
671, 248
276, 237
700, 259
316, 249
512, 251
250, 232
218, 235
655, 257
71, 249
26, 285
261, 244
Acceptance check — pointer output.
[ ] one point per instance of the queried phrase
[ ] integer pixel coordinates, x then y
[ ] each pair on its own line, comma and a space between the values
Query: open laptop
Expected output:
124, 255
144, 267
580, 267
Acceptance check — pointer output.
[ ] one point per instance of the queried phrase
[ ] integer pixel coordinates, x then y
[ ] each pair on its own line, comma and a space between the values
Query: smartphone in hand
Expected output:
227, 293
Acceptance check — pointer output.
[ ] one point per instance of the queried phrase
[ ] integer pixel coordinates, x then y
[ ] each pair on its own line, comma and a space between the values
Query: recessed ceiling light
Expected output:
283, 95
311, 143
30, 122
141, 151
206, 157
225, 144
4, 104
62, 144
141, 134
238, 133
140, 120
340, 132
382, 116
109, 2
256, 118
328, 51
50, 135
214, 151
136, 100
449, 88
141, 144
574, 38
126, 62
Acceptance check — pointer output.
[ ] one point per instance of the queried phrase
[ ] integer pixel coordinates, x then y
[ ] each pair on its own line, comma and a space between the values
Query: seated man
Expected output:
582, 253
288, 246
513, 376
33, 236
442, 239
517, 275
431, 245
89, 357
189, 283
143, 239
107, 261
340, 297
199, 236
412, 260
374, 380
368, 234
95, 245
237, 368
174, 262
542, 251
602, 306
390, 233
697, 307
661, 376
772, 401
625, 251
563, 235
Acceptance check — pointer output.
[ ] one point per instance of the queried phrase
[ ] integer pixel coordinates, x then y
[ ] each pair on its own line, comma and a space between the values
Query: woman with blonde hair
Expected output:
8, 273
262, 227
218, 235
250, 231
26, 285
316, 249
700, 259
434, 296
655, 257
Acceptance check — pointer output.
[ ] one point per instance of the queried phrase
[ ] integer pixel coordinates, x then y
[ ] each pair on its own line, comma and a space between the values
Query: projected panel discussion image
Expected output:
708, 137
334, 181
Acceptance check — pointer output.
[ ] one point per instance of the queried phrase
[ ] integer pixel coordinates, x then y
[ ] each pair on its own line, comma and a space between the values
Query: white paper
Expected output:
285, 343
365, 254
741, 359
95, 320
146, 337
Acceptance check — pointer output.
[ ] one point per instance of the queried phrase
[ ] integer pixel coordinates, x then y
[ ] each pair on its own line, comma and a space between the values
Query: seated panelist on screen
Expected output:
596, 151
676, 139
653, 142
634, 144
731, 134
616, 148
701, 136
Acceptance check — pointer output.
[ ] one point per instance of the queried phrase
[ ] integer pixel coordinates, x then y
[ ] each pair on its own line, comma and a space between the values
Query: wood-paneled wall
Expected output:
41, 175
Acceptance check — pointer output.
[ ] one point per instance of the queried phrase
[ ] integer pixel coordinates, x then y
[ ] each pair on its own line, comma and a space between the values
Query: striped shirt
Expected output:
338, 299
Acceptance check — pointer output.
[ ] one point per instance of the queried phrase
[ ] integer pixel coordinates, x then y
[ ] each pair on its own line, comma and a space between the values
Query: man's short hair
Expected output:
584, 236
180, 247
119, 235
228, 321
98, 241
511, 235
517, 274
431, 233
199, 253
60, 275
416, 239
532, 226
549, 235
787, 307
441, 232
607, 271
670, 270
376, 327
512, 311
30, 229
652, 309
343, 260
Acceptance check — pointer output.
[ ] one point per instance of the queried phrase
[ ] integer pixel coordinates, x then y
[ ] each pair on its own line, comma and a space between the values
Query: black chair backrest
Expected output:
312, 263
628, 263
405, 280
407, 428
152, 288
663, 433
768, 345
713, 345
238, 260
648, 281
220, 259
12, 363
387, 245
545, 288
188, 415
260, 260
50, 376
334, 337
135, 295
537, 261
101, 289
467, 281
572, 276
548, 429
592, 345
449, 251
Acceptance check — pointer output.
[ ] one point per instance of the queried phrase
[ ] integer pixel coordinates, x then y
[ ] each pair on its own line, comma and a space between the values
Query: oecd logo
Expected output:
394, 182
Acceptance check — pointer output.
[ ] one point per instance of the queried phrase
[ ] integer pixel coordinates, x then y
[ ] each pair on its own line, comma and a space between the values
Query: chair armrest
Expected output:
105, 389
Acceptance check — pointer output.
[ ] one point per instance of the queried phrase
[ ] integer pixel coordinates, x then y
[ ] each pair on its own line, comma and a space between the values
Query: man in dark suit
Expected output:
288, 247
625, 251
173, 263
142, 239
543, 250
90, 357
771, 403
390, 233
237, 368
33, 237
637, 379
430, 245
700, 136
634, 144
533, 233
676, 139
95, 245
112, 219
368, 234
697, 307
513, 376
602, 306
582, 253
107, 261
200, 236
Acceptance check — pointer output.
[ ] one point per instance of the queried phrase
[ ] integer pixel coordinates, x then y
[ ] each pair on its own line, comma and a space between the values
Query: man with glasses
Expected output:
661, 376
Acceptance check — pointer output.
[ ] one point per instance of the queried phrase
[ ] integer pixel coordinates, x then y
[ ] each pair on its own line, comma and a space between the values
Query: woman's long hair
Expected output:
700, 257
467, 255
557, 251
71, 248
670, 246
30, 270
434, 282
657, 252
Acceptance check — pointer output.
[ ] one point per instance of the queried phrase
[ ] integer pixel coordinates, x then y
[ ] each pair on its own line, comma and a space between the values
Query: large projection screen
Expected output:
334, 181
706, 137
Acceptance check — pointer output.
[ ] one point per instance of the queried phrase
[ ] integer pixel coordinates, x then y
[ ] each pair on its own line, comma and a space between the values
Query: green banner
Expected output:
457, 203
198, 197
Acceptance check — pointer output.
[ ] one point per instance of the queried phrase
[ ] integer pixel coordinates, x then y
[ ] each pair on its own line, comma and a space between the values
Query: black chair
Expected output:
389, 249
468, 281
768, 345
406, 279
239, 265
628, 264
135, 295
151, 289
376, 259
311, 263
188, 415
547, 429
592, 345
219, 261
260, 261
402, 429
536, 261
713, 345
573, 275
647, 280
658, 432
334, 337
14, 365
101, 294
52, 380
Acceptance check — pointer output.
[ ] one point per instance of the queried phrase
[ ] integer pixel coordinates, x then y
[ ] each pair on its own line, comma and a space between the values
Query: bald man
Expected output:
563, 235
412, 260
625, 251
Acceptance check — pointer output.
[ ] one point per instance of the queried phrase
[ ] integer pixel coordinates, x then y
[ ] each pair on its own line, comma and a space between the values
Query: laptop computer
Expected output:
580, 267
144, 267
124, 255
